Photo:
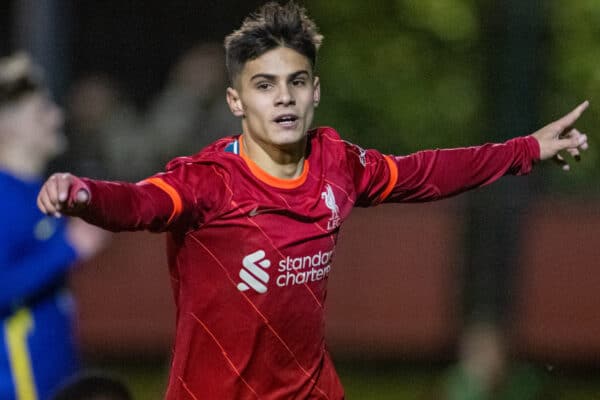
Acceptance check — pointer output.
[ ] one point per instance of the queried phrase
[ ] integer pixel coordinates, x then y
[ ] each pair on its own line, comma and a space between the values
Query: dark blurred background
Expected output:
504, 280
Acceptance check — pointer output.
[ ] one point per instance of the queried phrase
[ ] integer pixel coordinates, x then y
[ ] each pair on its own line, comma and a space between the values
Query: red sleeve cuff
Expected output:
533, 148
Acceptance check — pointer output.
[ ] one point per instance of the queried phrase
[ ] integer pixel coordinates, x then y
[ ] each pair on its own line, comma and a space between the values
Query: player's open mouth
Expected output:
286, 120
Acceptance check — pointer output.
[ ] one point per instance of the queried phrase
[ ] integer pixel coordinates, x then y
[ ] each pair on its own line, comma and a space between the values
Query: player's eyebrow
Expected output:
298, 73
273, 77
269, 77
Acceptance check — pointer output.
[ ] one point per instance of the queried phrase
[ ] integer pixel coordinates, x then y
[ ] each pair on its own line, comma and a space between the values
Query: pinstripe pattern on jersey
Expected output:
224, 353
260, 314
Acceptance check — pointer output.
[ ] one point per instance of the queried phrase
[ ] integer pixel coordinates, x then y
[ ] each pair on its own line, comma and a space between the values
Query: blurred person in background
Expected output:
253, 218
102, 130
109, 138
190, 112
38, 349
487, 370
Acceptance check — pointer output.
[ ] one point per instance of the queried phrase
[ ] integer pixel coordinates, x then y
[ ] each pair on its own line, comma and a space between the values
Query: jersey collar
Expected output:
237, 148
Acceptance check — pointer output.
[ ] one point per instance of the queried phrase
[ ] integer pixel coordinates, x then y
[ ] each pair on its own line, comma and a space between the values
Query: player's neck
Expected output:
283, 163
21, 164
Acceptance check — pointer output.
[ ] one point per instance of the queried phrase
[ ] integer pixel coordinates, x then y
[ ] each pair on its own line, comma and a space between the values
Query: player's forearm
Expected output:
119, 206
435, 174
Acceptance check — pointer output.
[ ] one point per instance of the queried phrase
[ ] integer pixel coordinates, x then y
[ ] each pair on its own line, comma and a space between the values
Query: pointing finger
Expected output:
569, 119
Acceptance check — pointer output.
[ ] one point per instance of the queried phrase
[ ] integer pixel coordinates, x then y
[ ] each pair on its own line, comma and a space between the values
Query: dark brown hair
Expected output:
272, 25
19, 76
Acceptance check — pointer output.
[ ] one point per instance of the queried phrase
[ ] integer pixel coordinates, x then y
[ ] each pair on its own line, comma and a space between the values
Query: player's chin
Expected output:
293, 141
289, 136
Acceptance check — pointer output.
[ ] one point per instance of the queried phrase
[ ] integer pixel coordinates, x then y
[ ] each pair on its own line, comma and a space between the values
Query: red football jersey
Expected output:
250, 254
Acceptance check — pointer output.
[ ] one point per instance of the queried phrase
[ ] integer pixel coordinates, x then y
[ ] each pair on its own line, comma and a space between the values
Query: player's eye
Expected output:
263, 85
299, 82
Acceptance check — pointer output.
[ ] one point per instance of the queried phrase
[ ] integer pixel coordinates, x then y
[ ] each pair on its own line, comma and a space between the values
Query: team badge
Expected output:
330, 202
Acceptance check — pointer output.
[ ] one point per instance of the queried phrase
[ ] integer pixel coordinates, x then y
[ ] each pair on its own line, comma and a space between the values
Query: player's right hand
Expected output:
56, 198
561, 136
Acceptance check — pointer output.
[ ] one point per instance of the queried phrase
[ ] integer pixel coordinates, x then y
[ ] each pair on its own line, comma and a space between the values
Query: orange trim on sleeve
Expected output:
393, 178
175, 198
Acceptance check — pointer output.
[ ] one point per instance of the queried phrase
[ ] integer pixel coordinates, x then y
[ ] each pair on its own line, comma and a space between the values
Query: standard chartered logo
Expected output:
253, 273
291, 270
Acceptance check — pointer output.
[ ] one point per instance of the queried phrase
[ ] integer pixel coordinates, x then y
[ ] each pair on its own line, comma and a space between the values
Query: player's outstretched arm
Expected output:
54, 197
561, 136
152, 204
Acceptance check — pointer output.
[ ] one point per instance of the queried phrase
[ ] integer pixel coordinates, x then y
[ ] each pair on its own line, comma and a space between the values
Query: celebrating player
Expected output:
253, 219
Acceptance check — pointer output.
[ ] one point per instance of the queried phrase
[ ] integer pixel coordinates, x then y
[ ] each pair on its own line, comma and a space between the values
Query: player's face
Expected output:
35, 124
275, 95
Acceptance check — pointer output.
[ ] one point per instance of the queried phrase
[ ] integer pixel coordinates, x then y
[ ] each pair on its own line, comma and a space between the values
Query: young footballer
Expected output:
252, 219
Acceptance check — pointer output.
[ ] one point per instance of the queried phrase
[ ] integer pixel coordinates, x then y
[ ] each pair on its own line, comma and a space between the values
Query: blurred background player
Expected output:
38, 349
110, 137
487, 370
190, 112
101, 123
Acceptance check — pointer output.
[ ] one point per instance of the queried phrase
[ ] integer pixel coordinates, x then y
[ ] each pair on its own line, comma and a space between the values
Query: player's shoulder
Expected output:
329, 141
336, 151
218, 153
325, 133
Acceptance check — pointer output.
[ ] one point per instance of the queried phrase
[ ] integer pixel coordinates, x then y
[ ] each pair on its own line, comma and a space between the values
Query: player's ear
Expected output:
316, 91
234, 102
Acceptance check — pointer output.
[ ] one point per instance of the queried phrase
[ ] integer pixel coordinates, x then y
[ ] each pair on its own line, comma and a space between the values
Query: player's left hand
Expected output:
560, 136
54, 196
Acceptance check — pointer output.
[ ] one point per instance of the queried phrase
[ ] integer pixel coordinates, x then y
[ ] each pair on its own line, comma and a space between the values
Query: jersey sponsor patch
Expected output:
253, 274
291, 271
